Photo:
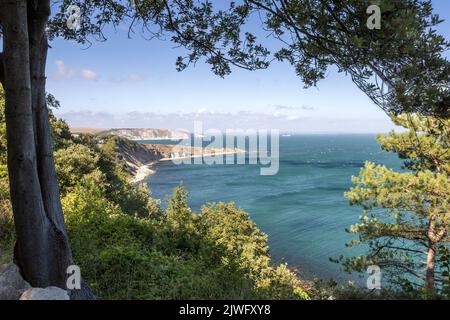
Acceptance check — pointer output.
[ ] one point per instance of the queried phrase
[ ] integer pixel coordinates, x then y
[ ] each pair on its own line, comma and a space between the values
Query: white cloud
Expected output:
224, 120
220, 120
136, 77
65, 72
132, 77
291, 118
89, 74
279, 107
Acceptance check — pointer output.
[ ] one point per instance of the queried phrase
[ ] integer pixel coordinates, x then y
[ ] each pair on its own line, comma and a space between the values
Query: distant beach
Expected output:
143, 171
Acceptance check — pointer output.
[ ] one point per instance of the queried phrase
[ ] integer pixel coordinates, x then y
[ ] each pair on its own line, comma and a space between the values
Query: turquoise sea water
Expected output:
302, 208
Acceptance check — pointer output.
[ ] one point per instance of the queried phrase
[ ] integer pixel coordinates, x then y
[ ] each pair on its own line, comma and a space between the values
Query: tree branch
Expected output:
211, 50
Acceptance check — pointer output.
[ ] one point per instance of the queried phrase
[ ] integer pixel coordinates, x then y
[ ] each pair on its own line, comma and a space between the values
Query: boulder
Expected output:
49, 293
12, 285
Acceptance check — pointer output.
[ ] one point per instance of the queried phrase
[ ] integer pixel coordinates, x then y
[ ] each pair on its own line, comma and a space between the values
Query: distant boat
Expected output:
285, 135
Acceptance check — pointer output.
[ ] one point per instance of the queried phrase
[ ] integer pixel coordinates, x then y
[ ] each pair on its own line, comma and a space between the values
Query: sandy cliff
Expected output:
139, 158
146, 133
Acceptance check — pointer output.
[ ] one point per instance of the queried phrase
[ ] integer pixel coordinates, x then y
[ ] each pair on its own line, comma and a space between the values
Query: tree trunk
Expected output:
44, 152
29, 216
430, 281
37, 17
42, 249
431, 257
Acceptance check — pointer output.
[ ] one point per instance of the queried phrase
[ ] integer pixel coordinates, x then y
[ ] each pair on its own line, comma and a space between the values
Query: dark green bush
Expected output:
7, 237
183, 256
129, 248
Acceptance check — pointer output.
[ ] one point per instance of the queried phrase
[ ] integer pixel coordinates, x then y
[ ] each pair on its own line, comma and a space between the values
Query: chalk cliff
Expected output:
146, 133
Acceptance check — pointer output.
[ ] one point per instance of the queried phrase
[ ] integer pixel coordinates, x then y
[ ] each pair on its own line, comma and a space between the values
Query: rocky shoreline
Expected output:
140, 159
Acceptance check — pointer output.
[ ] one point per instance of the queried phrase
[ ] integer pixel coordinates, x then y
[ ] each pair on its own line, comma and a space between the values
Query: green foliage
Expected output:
7, 237
2, 127
331, 290
401, 67
217, 254
407, 214
425, 146
131, 199
6, 221
444, 261
85, 156
75, 162
181, 256
129, 248
60, 129
60, 133
61, 137
243, 243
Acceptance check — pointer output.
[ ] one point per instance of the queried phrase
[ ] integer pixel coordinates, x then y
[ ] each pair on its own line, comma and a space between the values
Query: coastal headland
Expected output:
139, 159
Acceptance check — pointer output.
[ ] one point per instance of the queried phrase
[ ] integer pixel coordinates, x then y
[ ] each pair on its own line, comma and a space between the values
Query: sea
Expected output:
302, 208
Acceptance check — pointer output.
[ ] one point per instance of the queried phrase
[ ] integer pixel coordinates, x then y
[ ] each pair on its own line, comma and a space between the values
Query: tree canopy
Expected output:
407, 221
129, 247
401, 66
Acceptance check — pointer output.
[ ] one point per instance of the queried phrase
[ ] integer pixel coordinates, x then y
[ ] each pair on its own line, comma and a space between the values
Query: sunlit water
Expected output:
302, 208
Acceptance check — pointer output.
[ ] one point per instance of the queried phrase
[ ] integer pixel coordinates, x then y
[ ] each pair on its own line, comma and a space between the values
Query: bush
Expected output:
243, 244
7, 235
182, 256
129, 248
79, 160
75, 162
2, 127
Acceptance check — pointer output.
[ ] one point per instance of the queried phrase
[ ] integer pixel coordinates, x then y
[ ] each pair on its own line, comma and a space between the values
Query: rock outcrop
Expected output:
50, 293
12, 285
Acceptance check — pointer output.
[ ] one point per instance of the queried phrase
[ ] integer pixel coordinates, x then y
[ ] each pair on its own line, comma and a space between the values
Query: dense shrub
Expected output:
85, 156
6, 220
74, 162
183, 256
129, 248
6, 224
2, 127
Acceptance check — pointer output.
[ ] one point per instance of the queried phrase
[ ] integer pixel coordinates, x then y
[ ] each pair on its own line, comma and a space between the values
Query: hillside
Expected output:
146, 133
138, 158
86, 130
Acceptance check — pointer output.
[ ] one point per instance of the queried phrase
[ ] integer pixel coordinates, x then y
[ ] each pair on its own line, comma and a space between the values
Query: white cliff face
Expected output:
147, 134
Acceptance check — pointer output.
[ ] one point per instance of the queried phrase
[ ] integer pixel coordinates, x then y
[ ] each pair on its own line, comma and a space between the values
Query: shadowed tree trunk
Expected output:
435, 235
42, 250
431, 257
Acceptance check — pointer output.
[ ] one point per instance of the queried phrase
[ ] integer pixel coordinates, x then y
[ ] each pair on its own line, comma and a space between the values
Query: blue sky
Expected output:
133, 83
